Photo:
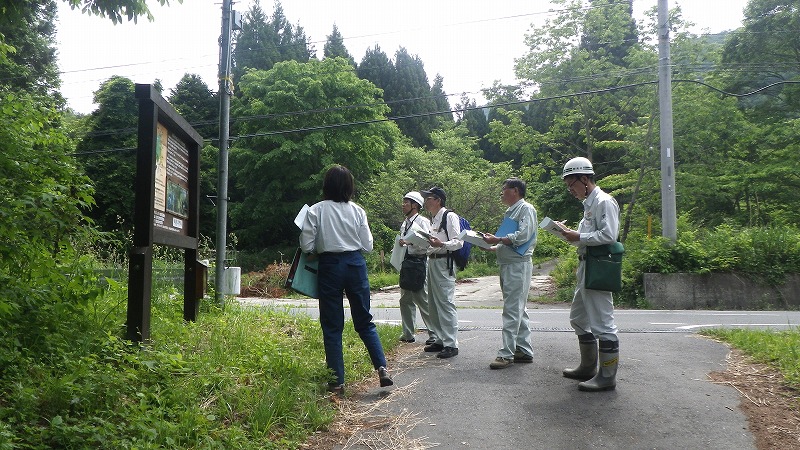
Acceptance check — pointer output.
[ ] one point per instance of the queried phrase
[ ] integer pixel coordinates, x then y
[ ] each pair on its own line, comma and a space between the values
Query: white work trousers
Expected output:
592, 311
410, 301
515, 282
441, 302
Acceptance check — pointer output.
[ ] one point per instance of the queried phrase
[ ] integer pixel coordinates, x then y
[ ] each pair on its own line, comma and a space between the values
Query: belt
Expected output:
438, 255
415, 257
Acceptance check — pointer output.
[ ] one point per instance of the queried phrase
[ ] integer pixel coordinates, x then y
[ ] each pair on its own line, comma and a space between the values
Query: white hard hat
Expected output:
577, 166
416, 197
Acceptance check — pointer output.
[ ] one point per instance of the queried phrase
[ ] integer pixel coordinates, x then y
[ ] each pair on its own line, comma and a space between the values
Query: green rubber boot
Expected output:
606, 378
588, 367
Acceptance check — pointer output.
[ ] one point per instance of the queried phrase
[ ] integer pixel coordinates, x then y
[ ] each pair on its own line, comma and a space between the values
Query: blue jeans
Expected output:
345, 273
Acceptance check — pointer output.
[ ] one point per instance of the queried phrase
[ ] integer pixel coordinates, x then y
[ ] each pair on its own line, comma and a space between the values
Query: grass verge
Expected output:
242, 378
780, 349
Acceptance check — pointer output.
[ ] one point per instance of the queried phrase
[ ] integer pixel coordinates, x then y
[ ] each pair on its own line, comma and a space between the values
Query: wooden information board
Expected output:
167, 206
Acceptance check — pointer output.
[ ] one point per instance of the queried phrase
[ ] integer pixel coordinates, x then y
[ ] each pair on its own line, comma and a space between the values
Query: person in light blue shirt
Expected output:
514, 252
337, 231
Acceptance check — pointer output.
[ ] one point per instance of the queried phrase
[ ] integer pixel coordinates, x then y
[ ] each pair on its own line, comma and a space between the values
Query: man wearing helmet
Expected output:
592, 311
411, 300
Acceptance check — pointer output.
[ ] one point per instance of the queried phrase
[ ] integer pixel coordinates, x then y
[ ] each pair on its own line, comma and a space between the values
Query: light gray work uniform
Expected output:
442, 280
515, 280
593, 311
411, 300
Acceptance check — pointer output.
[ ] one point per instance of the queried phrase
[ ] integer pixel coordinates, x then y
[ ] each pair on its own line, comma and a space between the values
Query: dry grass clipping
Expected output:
364, 423
771, 406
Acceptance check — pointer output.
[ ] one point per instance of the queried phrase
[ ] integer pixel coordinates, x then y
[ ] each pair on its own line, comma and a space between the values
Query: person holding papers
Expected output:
336, 230
411, 300
514, 244
441, 274
592, 312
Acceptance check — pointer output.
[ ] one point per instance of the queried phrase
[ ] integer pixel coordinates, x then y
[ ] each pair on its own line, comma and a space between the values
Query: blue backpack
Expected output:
461, 256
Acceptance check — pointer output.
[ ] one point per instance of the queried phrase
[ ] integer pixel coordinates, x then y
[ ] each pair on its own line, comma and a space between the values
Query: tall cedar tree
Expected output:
376, 67
262, 42
441, 101
334, 46
410, 95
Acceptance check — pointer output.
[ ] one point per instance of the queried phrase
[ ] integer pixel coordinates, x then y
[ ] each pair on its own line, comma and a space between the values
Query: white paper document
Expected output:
301, 217
417, 237
398, 254
474, 238
550, 225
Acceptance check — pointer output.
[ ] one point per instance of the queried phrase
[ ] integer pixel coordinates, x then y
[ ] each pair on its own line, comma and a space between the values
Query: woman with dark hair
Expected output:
336, 230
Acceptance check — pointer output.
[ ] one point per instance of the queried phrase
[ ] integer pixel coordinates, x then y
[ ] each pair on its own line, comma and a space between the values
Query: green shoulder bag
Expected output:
604, 267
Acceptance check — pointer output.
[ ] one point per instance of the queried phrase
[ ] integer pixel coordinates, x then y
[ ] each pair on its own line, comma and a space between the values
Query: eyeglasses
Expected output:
569, 186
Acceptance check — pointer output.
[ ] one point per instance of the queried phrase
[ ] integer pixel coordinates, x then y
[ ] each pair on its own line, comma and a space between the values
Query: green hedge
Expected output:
765, 255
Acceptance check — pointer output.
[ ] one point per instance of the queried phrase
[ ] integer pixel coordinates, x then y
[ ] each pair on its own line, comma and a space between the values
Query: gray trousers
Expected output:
410, 301
515, 282
592, 311
441, 302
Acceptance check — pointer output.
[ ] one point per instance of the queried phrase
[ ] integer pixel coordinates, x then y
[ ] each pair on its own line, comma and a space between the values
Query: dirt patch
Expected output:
772, 408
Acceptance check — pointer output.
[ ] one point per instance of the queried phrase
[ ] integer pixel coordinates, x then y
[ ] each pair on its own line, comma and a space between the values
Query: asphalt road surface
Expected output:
664, 397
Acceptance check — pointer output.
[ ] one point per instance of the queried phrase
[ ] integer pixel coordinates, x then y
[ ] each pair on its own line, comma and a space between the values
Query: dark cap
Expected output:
437, 192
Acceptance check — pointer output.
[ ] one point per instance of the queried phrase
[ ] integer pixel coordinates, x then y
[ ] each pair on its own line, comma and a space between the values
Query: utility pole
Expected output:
669, 222
225, 92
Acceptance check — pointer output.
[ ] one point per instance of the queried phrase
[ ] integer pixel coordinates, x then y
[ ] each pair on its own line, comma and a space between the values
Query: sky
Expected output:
470, 43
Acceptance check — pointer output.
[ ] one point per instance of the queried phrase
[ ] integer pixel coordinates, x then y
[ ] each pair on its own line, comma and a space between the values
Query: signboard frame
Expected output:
168, 158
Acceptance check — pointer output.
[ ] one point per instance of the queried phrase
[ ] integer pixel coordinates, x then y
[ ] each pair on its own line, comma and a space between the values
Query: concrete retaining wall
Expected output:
719, 291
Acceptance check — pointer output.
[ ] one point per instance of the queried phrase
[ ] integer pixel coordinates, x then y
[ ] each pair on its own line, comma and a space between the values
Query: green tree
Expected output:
108, 154
764, 51
196, 103
39, 201
334, 46
590, 125
301, 121
409, 95
476, 123
30, 64
263, 42
440, 99
376, 67
11, 11
471, 183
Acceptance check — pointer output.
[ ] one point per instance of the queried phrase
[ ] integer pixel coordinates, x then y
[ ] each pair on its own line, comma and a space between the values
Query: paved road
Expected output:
664, 399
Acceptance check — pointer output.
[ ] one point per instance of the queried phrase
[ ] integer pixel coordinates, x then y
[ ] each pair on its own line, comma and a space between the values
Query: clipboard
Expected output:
509, 226
302, 276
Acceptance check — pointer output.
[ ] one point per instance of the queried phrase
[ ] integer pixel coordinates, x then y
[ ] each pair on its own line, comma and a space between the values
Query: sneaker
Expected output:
500, 363
434, 348
407, 340
522, 357
430, 341
383, 375
447, 352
